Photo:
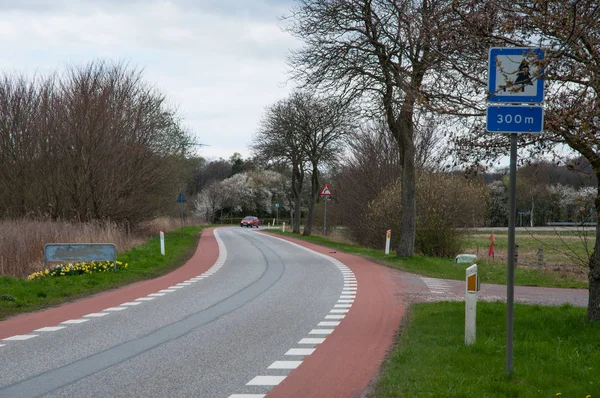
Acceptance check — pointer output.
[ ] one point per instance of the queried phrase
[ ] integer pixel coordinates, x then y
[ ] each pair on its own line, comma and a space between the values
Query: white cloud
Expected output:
221, 62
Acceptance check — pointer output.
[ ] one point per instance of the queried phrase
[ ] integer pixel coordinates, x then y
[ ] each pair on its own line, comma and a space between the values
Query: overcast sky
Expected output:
221, 62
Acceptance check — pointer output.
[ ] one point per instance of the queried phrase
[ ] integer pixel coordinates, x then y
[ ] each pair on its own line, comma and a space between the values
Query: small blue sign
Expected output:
514, 75
515, 119
277, 205
181, 198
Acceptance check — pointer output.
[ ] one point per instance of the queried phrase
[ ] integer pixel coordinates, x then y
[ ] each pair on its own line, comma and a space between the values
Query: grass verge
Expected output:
489, 272
556, 350
145, 262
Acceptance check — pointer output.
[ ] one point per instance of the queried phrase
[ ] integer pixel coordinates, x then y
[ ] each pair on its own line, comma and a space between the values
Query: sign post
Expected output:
162, 243
471, 305
388, 238
276, 213
515, 75
325, 194
181, 200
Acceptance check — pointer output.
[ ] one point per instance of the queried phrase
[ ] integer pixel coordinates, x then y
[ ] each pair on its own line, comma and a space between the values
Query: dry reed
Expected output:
22, 241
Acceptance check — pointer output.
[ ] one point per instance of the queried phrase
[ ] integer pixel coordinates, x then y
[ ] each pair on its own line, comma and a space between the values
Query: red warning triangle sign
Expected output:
325, 191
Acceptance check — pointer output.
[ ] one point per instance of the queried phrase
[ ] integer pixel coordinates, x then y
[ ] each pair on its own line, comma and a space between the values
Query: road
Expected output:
249, 315
237, 327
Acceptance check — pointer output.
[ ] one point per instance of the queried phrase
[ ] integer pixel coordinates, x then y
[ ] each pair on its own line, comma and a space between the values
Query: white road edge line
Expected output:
247, 396
266, 381
284, 365
74, 321
96, 315
20, 337
300, 351
50, 329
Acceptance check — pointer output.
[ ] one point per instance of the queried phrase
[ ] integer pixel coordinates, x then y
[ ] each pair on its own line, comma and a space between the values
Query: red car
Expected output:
250, 221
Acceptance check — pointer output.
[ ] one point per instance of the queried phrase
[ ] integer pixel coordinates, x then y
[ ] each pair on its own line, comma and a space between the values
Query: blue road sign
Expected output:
181, 198
513, 75
277, 205
515, 119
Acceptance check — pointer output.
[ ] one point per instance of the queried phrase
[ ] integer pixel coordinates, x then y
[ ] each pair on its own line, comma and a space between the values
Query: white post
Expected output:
283, 228
388, 237
162, 243
471, 304
273, 222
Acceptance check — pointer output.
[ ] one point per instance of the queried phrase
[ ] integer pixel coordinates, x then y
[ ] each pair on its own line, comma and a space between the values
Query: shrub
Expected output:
444, 203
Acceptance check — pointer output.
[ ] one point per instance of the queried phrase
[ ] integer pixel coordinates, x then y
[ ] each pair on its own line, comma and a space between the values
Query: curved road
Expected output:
237, 327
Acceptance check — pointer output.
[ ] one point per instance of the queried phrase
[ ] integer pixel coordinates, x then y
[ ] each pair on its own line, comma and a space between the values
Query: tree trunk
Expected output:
594, 275
531, 216
314, 193
406, 247
297, 180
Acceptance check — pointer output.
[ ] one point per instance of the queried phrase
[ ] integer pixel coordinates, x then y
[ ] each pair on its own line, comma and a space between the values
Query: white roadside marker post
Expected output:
471, 304
283, 227
388, 237
162, 243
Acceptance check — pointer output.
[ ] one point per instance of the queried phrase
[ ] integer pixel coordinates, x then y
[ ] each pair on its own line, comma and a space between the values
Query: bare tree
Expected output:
94, 143
304, 131
327, 123
279, 140
390, 53
568, 31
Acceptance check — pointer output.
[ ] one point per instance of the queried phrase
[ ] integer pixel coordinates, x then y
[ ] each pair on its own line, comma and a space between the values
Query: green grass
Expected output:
556, 350
145, 261
489, 271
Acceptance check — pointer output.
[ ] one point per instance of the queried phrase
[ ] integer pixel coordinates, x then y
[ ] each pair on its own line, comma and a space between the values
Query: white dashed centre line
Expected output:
113, 309
265, 381
156, 294
132, 303
145, 298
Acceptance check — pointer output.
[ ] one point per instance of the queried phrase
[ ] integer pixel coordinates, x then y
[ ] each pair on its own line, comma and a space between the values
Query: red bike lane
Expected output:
346, 362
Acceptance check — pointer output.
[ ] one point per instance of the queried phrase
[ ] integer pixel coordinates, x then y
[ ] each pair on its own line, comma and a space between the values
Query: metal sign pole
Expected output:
325, 217
510, 283
181, 208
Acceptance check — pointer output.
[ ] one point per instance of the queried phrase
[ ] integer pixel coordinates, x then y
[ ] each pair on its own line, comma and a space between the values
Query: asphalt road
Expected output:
209, 337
